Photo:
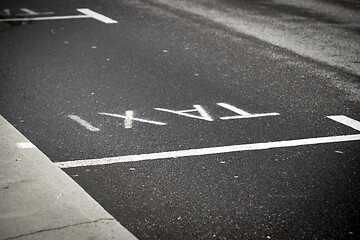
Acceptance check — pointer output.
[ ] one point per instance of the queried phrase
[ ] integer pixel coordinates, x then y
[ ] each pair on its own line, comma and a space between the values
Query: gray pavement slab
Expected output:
39, 201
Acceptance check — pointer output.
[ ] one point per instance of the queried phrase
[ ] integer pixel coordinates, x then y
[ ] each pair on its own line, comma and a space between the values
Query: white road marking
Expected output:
96, 15
129, 119
203, 114
346, 121
7, 12
225, 149
242, 113
37, 14
84, 123
29, 12
25, 145
88, 14
43, 18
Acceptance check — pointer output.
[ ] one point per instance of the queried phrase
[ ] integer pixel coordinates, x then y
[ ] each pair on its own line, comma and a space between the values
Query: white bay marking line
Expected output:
88, 14
225, 149
25, 145
42, 18
129, 118
96, 15
346, 121
242, 113
84, 123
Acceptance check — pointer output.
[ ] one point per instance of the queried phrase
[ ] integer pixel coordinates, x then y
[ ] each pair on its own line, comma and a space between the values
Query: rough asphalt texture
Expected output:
164, 56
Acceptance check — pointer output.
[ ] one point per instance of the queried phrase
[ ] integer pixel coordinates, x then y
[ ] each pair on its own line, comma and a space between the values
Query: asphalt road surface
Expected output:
211, 92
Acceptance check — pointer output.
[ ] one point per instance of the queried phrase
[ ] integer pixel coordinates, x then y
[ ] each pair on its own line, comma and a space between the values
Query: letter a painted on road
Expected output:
203, 115
241, 113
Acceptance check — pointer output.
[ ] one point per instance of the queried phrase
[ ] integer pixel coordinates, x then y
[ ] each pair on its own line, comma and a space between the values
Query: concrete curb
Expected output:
39, 201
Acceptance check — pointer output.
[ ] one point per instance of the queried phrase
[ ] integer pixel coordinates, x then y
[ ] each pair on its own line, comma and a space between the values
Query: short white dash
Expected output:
84, 123
25, 145
128, 119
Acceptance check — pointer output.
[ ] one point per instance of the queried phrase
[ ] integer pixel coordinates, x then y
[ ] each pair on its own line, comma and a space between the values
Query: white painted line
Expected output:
28, 11
43, 18
208, 151
84, 123
251, 116
88, 14
242, 113
127, 118
234, 109
346, 121
25, 145
217, 150
40, 13
203, 114
96, 15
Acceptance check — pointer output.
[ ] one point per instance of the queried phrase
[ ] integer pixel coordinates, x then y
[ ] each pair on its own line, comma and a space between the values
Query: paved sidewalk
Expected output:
39, 201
